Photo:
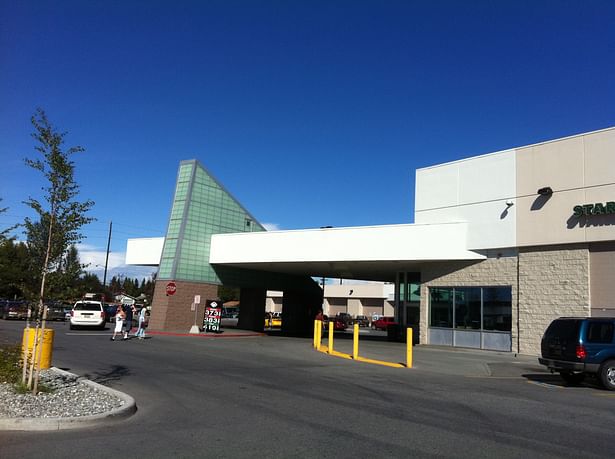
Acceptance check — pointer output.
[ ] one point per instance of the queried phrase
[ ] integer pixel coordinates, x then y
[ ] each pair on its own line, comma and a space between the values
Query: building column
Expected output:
299, 308
252, 309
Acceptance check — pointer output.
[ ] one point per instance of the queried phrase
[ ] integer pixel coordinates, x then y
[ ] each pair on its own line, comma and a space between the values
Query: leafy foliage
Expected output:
62, 215
15, 271
5, 232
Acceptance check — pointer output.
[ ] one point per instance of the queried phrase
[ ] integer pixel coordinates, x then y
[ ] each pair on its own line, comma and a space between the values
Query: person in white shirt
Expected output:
141, 330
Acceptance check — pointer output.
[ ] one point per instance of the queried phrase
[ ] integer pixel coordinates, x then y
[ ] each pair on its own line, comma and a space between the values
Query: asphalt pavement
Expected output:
271, 396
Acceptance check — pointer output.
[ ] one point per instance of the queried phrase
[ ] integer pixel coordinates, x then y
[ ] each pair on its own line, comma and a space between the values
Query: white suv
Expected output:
87, 314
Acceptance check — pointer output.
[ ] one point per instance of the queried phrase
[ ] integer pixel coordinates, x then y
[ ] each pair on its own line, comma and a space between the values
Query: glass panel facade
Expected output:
467, 308
497, 308
201, 207
441, 307
471, 308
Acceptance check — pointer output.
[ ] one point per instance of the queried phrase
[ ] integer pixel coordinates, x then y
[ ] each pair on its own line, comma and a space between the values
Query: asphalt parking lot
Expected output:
255, 396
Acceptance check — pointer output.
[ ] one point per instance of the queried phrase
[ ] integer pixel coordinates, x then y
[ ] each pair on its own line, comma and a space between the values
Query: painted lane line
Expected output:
545, 385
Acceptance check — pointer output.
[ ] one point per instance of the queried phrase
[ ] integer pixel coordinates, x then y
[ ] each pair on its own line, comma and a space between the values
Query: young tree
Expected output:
61, 215
5, 232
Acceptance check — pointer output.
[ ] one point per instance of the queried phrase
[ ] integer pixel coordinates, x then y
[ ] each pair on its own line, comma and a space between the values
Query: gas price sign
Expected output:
213, 313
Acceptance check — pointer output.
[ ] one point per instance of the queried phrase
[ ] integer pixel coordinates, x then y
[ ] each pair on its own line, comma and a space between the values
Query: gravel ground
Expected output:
69, 398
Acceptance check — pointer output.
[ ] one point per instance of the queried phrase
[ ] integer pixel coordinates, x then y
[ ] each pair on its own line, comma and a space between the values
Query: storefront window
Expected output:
467, 308
462, 306
441, 311
497, 308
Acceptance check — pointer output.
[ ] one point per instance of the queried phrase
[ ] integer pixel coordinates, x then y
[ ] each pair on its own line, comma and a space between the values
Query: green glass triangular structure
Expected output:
201, 207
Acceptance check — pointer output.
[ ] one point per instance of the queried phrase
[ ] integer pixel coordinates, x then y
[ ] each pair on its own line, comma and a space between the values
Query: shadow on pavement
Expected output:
114, 374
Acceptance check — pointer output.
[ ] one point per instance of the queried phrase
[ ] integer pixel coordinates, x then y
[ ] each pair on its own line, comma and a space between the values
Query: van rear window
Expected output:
87, 307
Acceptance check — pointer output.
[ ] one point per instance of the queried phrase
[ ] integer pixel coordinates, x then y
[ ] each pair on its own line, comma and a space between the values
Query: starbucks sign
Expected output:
594, 209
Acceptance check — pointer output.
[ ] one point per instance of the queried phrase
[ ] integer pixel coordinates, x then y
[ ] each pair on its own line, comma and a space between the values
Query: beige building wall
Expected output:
602, 278
553, 282
580, 170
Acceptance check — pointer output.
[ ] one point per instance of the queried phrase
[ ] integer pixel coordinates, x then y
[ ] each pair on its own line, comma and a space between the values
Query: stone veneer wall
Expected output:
492, 272
172, 312
553, 282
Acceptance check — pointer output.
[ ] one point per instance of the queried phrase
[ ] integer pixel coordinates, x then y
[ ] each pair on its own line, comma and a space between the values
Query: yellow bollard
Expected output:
409, 348
44, 350
315, 334
355, 342
319, 330
330, 336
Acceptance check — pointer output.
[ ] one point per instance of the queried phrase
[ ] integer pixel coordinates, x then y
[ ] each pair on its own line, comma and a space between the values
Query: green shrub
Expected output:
10, 363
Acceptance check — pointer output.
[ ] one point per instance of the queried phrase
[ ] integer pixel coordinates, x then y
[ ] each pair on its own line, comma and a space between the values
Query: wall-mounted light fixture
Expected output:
350, 292
545, 191
509, 203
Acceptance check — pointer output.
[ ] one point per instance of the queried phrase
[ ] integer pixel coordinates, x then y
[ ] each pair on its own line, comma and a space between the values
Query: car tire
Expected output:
607, 374
71, 326
572, 378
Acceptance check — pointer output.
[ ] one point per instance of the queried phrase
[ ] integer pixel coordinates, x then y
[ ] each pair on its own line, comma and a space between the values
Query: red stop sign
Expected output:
171, 288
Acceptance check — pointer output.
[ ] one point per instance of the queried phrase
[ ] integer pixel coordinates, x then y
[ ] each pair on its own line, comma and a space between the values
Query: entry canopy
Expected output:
367, 252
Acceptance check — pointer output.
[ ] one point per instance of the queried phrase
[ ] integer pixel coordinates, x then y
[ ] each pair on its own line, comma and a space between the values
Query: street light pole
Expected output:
107, 257
323, 277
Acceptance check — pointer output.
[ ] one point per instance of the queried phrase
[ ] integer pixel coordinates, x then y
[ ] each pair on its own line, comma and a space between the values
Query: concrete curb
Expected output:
126, 410
208, 335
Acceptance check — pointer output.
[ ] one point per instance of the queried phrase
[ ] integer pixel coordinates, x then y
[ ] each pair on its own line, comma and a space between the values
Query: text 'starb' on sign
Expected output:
213, 313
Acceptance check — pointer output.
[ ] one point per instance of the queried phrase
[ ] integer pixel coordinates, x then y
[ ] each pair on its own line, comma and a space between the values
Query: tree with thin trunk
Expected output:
61, 217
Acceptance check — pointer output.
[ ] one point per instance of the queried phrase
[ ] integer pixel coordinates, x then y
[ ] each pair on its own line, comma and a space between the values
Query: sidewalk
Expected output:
446, 360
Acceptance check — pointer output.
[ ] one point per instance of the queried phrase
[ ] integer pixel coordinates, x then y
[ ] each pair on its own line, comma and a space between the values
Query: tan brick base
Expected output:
172, 312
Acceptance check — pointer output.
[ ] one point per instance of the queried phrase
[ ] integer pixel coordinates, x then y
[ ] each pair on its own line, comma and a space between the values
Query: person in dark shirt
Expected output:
129, 310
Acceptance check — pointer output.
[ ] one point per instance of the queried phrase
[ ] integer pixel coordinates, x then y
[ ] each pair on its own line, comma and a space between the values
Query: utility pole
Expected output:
107, 257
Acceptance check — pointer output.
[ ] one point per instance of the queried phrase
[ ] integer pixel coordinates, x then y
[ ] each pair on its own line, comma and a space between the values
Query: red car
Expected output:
383, 323
338, 324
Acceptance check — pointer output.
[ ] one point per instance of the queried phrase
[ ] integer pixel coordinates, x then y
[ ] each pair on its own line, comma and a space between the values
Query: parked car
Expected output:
383, 323
338, 324
578, 346
10, 309
363, 321
345, 317
56, 311
88, 314
273, 319
229, 319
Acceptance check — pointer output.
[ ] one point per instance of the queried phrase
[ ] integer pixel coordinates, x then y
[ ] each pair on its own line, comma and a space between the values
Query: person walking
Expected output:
120, 315
129, 310
141, 330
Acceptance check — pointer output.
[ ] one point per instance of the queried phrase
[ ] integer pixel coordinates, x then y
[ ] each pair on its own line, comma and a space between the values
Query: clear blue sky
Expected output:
311, 113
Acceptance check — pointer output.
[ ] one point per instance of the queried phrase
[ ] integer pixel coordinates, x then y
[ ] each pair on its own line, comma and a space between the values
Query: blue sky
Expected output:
311, 113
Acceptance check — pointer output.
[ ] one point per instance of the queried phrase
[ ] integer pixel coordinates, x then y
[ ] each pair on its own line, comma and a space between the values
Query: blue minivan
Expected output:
577, 346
